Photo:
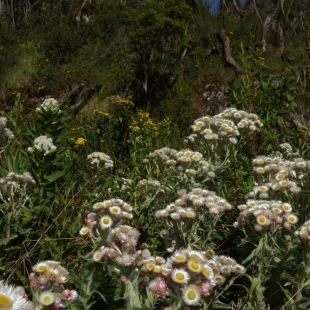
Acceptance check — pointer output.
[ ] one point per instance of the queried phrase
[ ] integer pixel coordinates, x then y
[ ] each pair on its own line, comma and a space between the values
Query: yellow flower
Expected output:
80, 141
102, 113
156, 172
124, 102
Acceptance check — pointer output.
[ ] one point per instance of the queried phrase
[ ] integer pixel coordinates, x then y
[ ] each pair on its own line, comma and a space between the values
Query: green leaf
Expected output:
53, 177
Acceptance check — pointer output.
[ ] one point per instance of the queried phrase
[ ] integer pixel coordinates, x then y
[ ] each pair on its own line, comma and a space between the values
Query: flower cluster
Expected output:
154, 184
98, 158
190, 274
288, 150
105, 214
49, 105
189, 204
122, 242
4, 131
12, 178
226, 125
304, 231
185, 160
43, 144
124, 102
46, 280
266, 213
14, 298
11, 183
280, 174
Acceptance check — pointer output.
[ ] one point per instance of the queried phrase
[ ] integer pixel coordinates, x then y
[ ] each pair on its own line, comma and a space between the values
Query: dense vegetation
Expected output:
132, 81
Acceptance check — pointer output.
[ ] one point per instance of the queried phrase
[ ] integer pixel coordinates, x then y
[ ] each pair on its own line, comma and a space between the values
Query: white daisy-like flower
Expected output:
11, 298
126, 207
98, 206
280, 176
150, 264
127, 216
107, 203
105, 222
207, 271
195, 255
180, 276
292, 219
242, 207
185, 159
40, 267
239, 269
287, 207
190, 213
180, 256
160, 260
284, 183
84, 231
191, 295
115, 210
194, 266
276, 210
262, 220
259, 170
46, 298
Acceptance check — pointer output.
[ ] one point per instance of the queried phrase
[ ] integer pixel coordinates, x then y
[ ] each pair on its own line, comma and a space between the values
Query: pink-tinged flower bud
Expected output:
287, 225
91, 222
258, 227
58, 303
73, 295
111, 252
279, 220
66, 293
123, 279
203, 290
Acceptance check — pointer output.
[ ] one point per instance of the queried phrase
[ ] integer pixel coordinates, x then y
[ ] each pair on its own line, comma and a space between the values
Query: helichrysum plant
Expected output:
47, 281
6, 135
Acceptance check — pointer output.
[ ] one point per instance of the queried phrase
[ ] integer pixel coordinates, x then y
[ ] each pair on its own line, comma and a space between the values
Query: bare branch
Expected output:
228, 57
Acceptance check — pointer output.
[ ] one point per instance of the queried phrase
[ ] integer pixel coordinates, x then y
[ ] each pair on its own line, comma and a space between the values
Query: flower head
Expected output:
46, 298
11, 298
180, 276
105, 222
191, 295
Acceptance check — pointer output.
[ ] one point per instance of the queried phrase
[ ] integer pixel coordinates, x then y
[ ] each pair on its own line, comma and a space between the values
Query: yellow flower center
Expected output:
206, 272
150, 266
106, 221
47, 300
190, 215
291, 219
41, 268
180, 276
164, 272
184, 159
194, 266
5, 302
191, 295
262, 220
180, 258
